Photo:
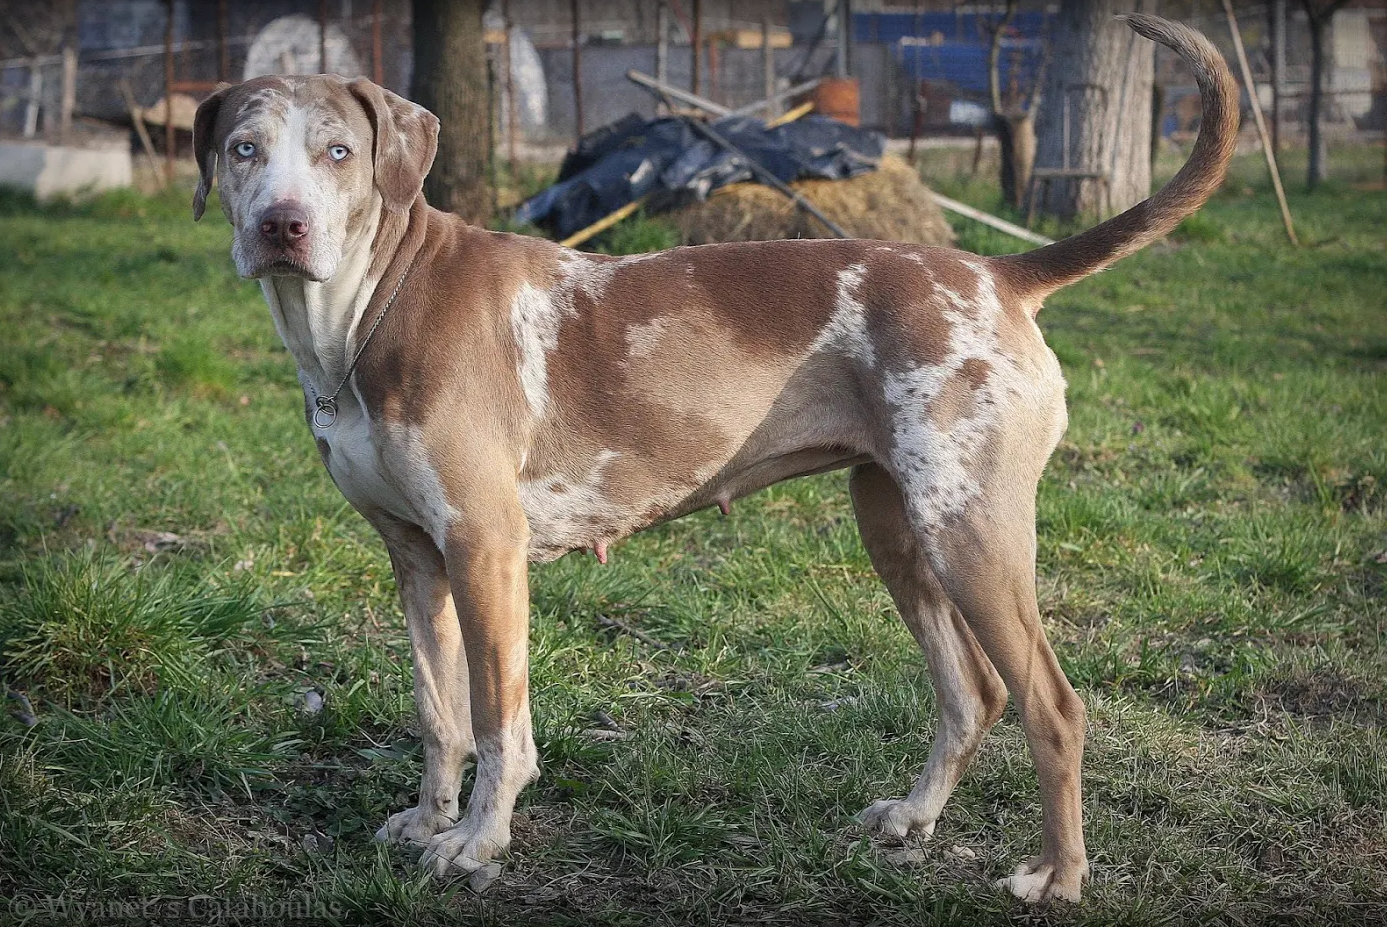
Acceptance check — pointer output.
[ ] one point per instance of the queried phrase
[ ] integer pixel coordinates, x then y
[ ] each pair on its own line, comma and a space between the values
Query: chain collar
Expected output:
325, 407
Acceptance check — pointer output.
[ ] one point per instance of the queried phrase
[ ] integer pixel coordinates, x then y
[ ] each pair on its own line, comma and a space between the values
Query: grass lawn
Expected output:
209, 674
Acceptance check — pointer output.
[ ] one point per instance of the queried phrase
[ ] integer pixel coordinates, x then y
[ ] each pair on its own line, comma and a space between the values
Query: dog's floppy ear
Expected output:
204, 146
406, 140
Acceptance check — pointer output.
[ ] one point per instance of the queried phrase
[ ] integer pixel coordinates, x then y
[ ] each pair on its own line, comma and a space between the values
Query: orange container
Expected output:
838, 97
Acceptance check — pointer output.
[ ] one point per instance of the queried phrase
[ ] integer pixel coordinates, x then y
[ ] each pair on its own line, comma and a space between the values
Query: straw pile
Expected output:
890, 203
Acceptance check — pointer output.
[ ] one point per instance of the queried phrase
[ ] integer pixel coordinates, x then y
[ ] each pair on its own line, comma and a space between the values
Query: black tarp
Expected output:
634, 157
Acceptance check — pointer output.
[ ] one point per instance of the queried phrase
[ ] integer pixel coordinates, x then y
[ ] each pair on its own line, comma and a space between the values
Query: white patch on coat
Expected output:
643, 339
535, 319
846, 331
410, 469
385, 466
936, 464
536, 315
560, 511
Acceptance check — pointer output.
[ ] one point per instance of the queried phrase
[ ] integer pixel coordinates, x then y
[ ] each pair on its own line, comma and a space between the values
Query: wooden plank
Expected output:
1001, 225
69, 89
601, 225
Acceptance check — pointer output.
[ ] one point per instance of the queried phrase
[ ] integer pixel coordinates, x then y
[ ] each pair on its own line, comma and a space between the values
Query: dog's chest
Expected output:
357, 466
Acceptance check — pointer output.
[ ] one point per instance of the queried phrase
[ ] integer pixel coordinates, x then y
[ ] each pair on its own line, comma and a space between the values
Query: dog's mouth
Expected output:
284, 267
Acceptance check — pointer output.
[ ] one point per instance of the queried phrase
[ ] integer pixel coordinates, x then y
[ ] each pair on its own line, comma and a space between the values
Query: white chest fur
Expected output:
356, 466
384, 467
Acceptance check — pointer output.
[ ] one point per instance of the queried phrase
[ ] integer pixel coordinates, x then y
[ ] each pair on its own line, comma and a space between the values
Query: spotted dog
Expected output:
487, 400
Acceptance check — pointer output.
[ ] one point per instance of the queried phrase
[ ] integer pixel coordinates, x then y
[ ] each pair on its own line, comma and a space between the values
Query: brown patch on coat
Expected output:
956, 398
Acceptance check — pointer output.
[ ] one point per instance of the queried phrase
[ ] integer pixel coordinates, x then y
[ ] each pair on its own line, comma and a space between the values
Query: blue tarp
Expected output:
635, 157
951, 48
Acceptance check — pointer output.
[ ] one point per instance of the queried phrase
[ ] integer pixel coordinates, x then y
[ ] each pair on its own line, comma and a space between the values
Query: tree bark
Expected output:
450, 78
1105, 71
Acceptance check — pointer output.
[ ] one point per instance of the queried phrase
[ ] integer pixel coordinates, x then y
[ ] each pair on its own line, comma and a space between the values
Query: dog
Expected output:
487, 400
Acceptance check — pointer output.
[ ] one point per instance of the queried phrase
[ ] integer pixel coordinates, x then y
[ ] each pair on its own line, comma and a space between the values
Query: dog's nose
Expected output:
284, 224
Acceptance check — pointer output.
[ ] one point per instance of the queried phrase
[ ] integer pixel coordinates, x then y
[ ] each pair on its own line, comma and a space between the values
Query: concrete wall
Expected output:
49, 170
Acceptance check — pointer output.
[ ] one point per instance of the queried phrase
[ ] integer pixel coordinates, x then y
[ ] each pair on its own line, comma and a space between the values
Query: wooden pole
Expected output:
1278, 69
662, 43
840, 14
322, 36
1261, 126
223, 48
765, 176
577, 69
169, 131
377, 53
697, 47
985, 218
69, 89
714, 69
915, 112
138, 121
768, 64
508, 87
31, 109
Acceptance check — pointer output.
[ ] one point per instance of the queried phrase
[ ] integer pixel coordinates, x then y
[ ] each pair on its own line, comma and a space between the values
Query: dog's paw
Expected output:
462, 850
896, 817
414, 825
1037, 880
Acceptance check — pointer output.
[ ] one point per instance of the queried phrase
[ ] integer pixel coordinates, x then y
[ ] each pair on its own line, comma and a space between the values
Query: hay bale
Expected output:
890, 203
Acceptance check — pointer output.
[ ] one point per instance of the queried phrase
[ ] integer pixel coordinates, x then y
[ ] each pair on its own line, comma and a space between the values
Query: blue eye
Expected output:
338, 152
245, 150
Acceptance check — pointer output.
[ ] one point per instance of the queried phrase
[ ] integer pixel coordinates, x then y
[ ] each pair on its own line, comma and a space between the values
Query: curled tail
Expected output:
1036, 274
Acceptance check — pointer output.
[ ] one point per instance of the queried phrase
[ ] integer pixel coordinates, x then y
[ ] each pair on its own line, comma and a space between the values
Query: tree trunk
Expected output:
1016, 142
1319, 155
1104, 70
450, 78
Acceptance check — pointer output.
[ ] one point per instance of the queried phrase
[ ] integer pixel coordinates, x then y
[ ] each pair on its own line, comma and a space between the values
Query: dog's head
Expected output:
300, 162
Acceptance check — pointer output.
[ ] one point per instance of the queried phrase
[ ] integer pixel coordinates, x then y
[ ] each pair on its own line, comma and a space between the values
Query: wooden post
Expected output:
508, 88
1261, 126
223, 48
577, 69
848, 36
661, 46
322, 36
1278, 69
697, 47
169, 132
768, 63
138, 121
377, 55
714, 70
31, 110
69, 89
840, 13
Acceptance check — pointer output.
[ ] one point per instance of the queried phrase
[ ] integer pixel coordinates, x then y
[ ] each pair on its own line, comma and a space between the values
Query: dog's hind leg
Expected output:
984, 559
440, 681
969, 693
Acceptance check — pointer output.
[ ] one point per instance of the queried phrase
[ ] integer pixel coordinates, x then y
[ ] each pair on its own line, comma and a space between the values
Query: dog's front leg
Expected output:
440, 680
487, 569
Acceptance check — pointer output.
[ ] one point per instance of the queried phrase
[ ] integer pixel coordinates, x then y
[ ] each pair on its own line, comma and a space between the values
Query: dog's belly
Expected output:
588, 490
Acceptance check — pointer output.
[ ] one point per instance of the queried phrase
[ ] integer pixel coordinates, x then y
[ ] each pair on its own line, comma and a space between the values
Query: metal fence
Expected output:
114, 56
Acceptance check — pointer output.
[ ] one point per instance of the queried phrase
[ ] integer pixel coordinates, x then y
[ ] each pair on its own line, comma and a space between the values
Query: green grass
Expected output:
209, 639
